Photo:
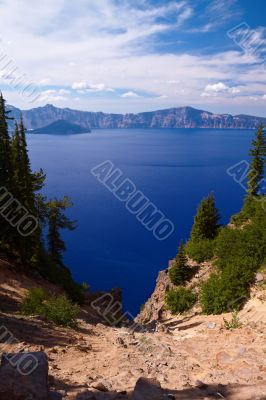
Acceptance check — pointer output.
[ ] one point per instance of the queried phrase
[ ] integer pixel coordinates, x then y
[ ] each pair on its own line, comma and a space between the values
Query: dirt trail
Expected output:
179, 353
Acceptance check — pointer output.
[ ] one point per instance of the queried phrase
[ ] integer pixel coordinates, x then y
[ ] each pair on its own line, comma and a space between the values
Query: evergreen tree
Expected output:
258, 154
5, 148
180, 271
6, 178
206, 221
26, 181
24, 191
57, 220
16, 162
17, 177
27, 184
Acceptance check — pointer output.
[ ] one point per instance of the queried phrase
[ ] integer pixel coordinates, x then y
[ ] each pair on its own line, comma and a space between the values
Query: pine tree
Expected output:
179, 271
206, 221
23, 186
26, 183
6, 178
5, 149
57, 220
258, 154
16, 162
28, 190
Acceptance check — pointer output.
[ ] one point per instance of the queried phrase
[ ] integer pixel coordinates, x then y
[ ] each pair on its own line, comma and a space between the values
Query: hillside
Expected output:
181, 117
154, 311
175, 355
60, 127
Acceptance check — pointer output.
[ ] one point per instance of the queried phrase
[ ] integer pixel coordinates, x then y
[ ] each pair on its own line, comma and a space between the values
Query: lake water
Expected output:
174, 168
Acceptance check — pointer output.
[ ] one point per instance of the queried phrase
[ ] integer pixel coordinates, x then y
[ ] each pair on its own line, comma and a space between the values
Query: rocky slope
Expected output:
154, 312
182, 357
182, 117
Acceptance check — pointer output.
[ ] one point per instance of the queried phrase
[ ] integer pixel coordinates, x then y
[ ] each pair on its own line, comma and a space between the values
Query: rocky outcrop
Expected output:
154, 307
153, 311
181, 117
24, 376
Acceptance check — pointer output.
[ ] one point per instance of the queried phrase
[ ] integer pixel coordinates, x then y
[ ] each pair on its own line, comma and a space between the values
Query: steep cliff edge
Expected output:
154, 310
180, 117
154, 313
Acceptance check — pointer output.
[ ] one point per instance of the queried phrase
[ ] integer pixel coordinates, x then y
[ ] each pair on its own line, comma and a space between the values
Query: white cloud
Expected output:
53, 95
108, 45
91, 87
223, 9
217, 88
264, 97
129, 95
184, 16
233, 90
168, 81
217, 13
251, 41
44, 81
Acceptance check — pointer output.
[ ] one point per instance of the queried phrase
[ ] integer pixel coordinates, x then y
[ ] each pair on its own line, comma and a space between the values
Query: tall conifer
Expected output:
180, 271
57, 221
206, 221
5, 149
6, 178
258, 155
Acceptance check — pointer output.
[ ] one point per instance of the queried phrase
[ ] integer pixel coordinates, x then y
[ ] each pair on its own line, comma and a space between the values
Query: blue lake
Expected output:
174, 168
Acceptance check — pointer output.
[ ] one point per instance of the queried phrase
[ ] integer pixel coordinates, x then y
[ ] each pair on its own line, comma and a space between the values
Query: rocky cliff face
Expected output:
154, 310
182, 117
154, 307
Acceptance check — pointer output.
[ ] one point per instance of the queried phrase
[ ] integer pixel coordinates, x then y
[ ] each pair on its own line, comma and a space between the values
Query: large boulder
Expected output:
24, 376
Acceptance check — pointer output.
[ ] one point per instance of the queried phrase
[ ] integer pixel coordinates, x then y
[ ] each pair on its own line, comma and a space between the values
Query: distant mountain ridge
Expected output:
181, 117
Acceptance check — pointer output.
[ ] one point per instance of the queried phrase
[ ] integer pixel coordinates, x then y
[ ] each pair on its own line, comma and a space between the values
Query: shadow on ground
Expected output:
150, 391
7, 301
34, 332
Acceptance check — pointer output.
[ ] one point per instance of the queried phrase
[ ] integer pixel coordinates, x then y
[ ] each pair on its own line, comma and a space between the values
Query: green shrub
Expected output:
237, 244
238, 219
33, 303
179, 300
57, 309
200, 250
240, 253
253, 207
62, 311
229, 289
234, 323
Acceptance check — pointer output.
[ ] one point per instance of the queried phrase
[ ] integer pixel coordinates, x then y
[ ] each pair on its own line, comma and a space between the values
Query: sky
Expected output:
127, 56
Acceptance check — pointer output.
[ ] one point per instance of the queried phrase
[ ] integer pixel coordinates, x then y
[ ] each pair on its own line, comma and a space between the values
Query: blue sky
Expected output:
132, 56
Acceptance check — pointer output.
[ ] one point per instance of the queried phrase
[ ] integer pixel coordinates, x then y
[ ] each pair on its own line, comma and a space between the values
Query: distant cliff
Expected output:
182, 117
